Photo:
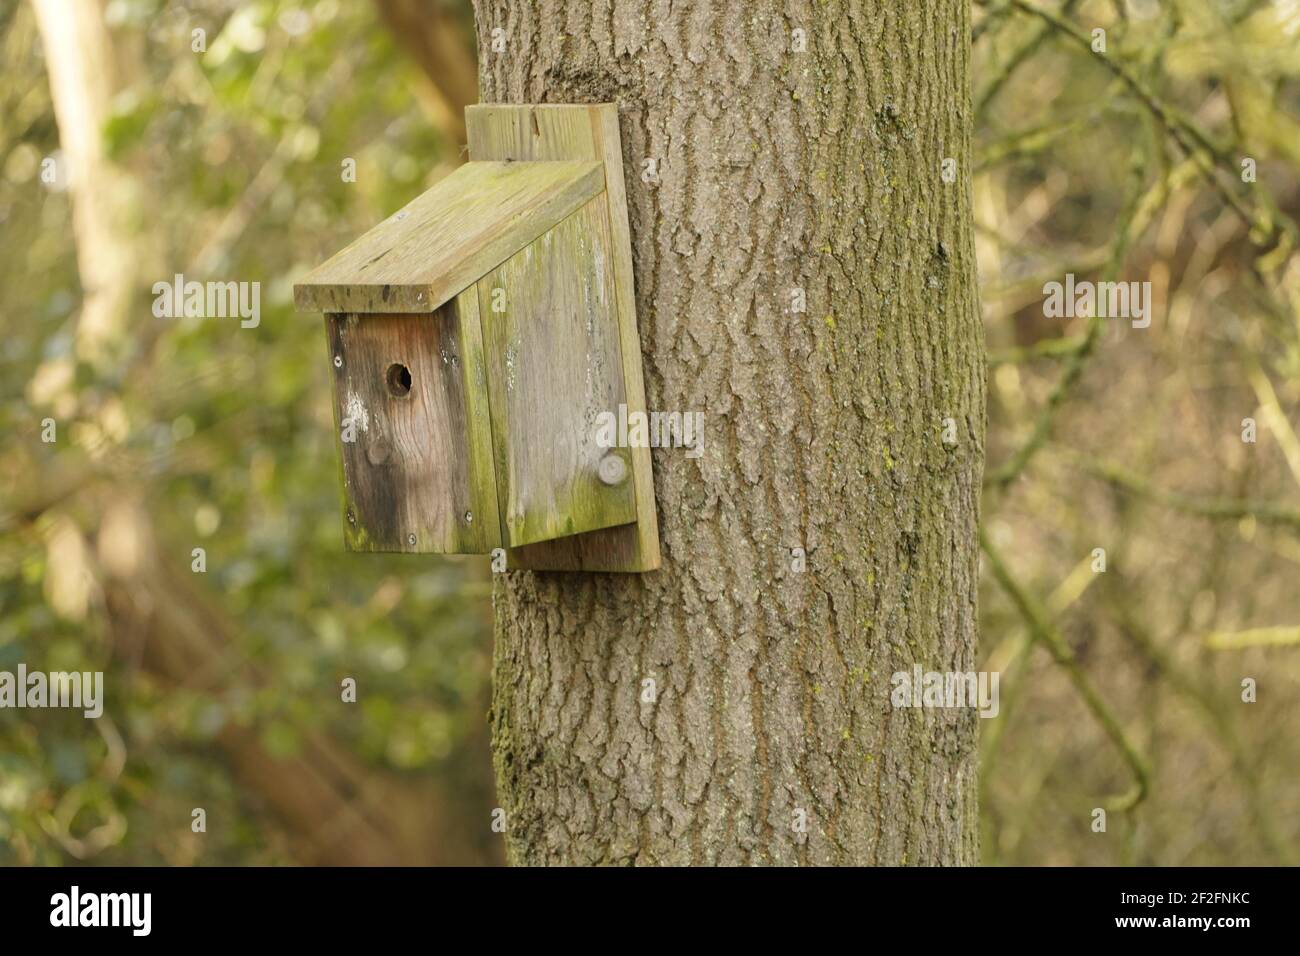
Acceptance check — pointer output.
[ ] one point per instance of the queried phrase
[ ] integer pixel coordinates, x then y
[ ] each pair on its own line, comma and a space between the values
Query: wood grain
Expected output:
419, 475
551, 328
584, 133
447, 238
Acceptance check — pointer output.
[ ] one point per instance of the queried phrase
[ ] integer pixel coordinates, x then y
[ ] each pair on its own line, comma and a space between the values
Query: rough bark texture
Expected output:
818, 170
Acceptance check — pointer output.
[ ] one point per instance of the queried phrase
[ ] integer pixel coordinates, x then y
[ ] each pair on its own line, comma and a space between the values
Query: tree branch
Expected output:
1044, 633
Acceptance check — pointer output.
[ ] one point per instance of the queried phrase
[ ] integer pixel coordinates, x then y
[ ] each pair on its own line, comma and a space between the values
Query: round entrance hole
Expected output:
399, 380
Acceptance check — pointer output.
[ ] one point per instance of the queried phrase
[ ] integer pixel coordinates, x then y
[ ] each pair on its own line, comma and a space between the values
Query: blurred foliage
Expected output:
1128, 165
225, 432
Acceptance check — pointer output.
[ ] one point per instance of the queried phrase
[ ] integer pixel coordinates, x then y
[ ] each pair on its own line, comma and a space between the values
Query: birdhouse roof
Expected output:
449, 237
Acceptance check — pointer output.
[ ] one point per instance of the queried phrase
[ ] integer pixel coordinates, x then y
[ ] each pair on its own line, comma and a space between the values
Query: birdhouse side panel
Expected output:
555, 377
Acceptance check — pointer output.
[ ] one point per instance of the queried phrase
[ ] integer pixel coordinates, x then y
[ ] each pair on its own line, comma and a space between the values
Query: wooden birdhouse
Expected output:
477, 336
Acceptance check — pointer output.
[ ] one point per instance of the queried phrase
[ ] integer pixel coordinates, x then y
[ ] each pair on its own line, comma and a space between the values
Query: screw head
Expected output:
410, 539
612, 469
352, 516
338, 361
469, 517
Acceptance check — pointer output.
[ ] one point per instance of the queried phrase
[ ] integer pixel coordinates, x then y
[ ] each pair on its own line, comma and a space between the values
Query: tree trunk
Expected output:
432, 35
770, 737
79, 60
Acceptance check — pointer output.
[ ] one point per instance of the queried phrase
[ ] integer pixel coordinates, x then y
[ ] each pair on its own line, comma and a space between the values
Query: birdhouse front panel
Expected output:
550, 321
410, 401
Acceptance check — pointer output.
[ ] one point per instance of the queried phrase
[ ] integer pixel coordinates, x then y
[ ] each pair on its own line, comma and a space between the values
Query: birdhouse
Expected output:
477, 336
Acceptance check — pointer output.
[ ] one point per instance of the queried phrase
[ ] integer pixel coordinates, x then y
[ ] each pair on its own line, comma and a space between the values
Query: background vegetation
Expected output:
1120, 690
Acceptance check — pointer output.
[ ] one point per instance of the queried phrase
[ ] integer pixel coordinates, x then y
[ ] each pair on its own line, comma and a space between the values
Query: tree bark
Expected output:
771, 738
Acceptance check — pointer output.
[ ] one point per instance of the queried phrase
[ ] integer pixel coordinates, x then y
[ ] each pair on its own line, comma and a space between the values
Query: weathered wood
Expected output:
444, 240
588, 132
551, 329
410, 390
474, 363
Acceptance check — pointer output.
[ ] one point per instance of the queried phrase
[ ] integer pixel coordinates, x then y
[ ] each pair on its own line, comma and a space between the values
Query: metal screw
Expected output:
410, 539
338, 361
352, 518
469, 517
